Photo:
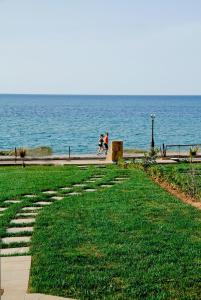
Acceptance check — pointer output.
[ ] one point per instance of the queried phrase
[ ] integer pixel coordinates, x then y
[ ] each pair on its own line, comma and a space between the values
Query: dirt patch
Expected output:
178, 193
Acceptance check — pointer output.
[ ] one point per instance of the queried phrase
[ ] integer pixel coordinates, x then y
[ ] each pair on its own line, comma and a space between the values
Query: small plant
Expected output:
22, 153
150, 158
193, 151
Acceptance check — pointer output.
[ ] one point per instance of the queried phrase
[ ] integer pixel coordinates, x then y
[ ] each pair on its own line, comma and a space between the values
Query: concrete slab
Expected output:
43, 202
90, 190
21, 221
57, 198
3, 208
90, 181
27, 214
13, 251
30, 196
19, 229
49, 192
31, 208
66, 188
15, 276
16, 239
79, 185
74, 194
106, 185
12, 201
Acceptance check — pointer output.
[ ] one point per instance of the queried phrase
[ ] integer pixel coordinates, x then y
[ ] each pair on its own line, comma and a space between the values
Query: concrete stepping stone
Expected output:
121, 178
106, 185
57, 198
50, 192
66, 188
79, 185
74, 194
19, 229
31, 208
26, 214
22, 221
43, 203
90, 181
90, 190
12, 201
30, 196
16, 239
3, 208
13, 251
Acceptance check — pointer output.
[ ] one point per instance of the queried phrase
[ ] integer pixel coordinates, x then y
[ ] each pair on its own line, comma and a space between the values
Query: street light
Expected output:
152, 130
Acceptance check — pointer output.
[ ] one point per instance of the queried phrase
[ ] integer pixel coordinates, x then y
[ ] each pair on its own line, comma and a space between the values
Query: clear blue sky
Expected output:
100, 47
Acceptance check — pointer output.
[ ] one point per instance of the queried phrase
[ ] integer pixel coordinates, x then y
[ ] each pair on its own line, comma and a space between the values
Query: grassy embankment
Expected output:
132, 241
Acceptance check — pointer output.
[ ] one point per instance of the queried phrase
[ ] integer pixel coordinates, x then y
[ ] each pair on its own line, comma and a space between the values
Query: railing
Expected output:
179, 146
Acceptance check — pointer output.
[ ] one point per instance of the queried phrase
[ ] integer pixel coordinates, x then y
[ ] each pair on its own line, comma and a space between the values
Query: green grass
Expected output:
131, 241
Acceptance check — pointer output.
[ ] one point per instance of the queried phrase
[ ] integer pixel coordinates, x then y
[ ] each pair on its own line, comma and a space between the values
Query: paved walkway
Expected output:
15, 277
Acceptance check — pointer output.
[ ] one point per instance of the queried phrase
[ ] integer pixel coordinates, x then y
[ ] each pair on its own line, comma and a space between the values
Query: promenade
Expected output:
90, 159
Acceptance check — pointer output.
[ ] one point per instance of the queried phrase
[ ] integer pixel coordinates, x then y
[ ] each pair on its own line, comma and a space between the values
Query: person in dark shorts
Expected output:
100, 144
106, 141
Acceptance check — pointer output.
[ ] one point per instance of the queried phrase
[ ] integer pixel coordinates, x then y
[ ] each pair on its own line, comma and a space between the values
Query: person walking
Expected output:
100, 144
106, 141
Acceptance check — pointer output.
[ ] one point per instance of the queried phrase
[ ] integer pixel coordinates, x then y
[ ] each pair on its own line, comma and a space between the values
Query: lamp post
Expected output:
152, 130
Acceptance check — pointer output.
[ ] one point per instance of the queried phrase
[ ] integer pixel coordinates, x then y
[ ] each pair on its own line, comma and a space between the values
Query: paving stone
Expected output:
90, 181
79, 185
121, 178
106, 185
90, 190
30, 196
57, 198
19, 229
66, 188
50, 192
43, 203
3, 208
31, 208
12, 251
74, 194
16, 239
12, 201
26, 214
21, 221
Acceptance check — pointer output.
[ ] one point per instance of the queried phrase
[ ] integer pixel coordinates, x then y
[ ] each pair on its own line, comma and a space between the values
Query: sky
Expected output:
132, 47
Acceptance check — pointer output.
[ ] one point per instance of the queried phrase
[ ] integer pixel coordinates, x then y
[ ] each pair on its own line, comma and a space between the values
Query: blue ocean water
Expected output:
77, 121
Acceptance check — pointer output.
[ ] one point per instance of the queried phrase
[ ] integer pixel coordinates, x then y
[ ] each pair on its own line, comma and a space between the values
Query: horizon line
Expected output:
112, 95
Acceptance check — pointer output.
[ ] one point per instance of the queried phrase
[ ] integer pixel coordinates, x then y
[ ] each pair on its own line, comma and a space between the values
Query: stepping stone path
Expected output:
25, 218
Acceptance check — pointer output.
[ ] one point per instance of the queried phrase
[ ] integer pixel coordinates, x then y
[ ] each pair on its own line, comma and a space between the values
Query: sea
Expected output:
60, 121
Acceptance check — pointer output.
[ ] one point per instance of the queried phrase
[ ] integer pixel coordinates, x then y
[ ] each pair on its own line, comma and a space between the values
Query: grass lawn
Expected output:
131, 241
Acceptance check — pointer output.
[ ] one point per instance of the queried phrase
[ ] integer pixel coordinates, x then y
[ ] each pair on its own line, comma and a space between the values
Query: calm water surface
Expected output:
60, 121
